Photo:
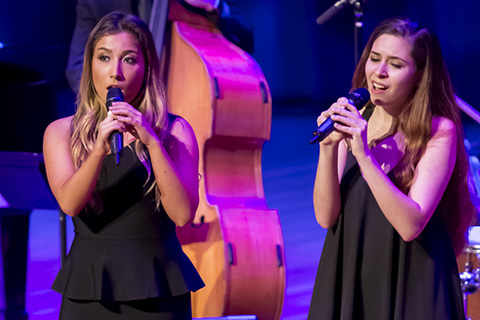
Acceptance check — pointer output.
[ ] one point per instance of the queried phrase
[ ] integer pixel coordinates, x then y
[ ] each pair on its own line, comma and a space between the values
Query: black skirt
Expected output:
168, 308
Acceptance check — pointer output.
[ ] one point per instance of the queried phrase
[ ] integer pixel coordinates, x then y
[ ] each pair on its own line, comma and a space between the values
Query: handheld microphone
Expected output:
358, 98
116, 138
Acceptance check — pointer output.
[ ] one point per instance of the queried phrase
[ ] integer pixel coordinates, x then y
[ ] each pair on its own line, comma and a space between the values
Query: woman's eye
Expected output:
373, 59
103, 58
396, 65
129, 60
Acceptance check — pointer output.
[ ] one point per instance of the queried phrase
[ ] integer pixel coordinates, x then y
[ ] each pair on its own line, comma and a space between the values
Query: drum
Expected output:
469, 268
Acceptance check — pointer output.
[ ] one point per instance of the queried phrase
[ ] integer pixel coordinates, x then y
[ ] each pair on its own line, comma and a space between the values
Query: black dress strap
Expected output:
367, 113
172, 117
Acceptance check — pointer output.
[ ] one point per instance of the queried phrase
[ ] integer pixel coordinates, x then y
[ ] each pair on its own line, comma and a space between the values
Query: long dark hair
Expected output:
434, 96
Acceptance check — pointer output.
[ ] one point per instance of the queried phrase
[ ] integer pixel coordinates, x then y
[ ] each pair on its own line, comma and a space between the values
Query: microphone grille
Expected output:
114, 94
359, 97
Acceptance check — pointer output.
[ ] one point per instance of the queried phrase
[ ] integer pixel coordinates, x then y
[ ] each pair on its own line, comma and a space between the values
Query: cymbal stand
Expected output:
470, 278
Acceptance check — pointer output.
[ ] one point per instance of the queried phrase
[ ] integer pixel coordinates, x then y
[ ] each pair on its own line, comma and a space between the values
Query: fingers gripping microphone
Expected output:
358, 98
116, 138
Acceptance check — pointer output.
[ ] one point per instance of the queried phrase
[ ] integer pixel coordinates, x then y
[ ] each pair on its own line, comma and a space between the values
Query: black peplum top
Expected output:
130, 250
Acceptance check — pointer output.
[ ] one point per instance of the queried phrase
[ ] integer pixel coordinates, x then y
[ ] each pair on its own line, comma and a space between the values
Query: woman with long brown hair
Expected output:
392, 187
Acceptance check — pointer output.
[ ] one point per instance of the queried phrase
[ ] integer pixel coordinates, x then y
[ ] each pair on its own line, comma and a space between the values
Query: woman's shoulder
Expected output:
178, 124
62, 122
59, 126
443, 125
181, 130
443, 130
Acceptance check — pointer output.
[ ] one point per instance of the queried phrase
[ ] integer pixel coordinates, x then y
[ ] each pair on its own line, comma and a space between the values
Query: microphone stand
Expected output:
358, 11
358, 27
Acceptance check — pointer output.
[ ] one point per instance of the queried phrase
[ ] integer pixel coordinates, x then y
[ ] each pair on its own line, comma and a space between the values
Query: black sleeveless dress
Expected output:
130, 250
367, 271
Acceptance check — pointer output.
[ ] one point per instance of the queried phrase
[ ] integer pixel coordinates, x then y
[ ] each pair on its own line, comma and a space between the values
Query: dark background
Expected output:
305, 64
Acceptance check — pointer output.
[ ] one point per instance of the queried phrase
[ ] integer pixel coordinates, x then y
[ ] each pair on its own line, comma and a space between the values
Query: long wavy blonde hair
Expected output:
90, 108
434, 96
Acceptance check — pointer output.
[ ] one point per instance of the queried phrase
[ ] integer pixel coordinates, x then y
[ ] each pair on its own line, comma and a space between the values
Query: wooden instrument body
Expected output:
236, 241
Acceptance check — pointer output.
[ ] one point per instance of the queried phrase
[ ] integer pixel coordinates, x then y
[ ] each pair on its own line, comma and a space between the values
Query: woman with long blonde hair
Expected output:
125, 261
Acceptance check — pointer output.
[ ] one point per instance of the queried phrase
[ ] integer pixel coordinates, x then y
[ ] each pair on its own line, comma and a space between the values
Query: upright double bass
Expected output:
235, 242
